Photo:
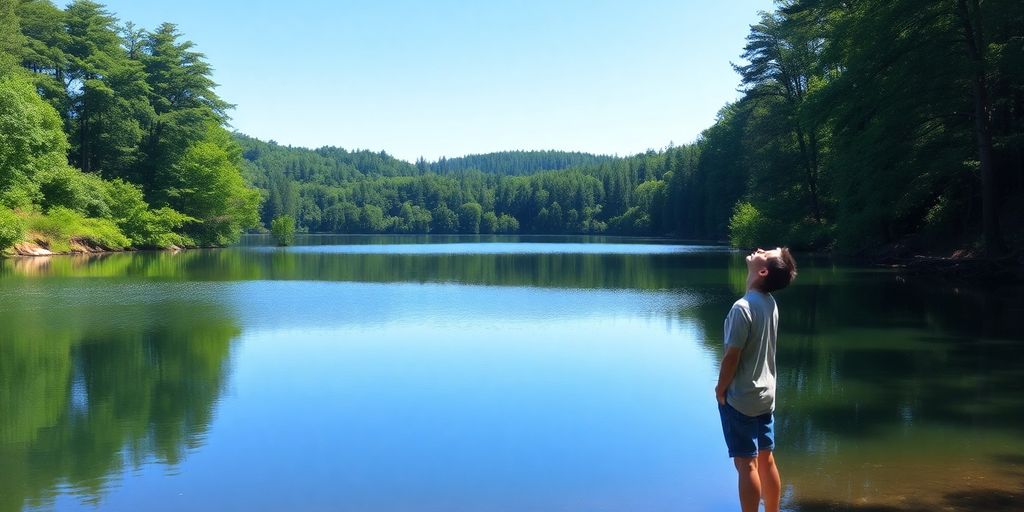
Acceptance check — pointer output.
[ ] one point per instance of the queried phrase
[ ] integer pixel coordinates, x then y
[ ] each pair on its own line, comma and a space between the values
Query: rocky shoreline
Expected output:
78, 246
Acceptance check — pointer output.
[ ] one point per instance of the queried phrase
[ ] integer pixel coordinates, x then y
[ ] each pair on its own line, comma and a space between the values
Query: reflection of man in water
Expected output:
746, 380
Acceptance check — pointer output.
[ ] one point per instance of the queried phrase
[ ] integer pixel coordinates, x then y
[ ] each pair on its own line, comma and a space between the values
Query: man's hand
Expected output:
726, 372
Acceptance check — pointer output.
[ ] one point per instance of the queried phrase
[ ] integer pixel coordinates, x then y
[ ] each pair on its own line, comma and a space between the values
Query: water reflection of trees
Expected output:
624, 271
87, 392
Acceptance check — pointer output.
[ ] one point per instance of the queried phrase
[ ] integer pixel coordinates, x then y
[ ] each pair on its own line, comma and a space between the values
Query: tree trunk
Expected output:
810, 170
982, 126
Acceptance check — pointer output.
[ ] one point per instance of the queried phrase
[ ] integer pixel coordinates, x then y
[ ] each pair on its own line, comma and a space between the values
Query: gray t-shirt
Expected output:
752, 326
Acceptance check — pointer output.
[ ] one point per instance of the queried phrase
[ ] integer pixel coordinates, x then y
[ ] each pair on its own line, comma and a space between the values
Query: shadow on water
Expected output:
876, 372
977, 500
90, 390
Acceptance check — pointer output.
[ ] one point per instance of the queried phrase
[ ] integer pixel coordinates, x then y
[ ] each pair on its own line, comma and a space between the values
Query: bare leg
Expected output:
750, 483
771, 484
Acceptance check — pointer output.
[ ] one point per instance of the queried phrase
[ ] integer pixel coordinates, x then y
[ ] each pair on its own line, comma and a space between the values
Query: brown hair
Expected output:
781, 272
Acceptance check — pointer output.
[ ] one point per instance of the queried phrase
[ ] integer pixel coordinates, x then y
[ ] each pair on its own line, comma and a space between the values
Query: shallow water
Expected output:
488, 374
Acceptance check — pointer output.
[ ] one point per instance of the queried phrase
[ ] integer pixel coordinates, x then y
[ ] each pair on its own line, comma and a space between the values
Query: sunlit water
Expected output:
489, 374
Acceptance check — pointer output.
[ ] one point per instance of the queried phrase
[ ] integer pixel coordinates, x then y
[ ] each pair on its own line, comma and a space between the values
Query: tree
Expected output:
32, 141
206, 184
971, 21
414, 218
184, 105
908, 105
782, 67
44, 38
469, 218
371, 219
488, 222
11, 40
95, 61
507, 224
283, 230
444, 220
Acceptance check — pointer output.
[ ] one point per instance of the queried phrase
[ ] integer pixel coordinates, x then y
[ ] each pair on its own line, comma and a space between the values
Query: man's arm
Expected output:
730, 362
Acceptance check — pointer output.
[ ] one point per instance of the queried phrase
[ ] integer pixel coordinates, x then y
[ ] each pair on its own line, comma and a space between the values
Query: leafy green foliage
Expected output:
444, 219
208, 186
469, 218
868, 124
147, 228
745, 226
12, 228
513, 163
68, 187
31, 141
329, 189
283, 230
139, 110
62, 226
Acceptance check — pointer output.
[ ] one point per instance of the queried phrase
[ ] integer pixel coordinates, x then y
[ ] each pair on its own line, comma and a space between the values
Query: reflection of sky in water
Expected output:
305, 305
353, 396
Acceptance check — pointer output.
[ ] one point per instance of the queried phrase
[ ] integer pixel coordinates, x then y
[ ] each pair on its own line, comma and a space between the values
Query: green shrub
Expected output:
283, 230
60, 226
506, 224
65, 186
144, 227
12, 228
747, 226
809, 234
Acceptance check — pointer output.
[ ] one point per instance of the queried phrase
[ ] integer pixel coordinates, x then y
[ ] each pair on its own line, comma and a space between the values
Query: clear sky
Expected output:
438, 78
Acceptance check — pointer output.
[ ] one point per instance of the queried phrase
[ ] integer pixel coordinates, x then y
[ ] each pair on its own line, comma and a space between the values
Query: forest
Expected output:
862, 127
112, 136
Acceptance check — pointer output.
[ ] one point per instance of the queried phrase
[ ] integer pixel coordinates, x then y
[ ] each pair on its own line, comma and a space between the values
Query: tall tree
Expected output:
782, 65
208, 186
971, 21
184, 103
11, 40
911, 113
43, 51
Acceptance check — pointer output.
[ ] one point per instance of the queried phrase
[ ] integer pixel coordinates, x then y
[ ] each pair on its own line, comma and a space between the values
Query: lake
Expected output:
419, 373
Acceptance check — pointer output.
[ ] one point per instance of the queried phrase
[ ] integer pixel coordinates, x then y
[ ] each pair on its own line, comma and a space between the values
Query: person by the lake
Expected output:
746, 380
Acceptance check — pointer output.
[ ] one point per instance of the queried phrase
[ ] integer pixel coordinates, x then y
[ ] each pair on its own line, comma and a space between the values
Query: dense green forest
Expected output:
862, 127
334, 190
112, 135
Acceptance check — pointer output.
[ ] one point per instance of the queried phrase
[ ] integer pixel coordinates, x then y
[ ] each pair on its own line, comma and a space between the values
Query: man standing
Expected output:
746, 380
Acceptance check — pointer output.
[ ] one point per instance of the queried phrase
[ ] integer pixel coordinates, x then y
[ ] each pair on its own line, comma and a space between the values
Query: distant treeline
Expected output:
512, 162
334, 190
868, 126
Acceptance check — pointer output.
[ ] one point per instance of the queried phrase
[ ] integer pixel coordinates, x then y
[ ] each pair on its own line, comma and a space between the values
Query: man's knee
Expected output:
765, 458
745, 464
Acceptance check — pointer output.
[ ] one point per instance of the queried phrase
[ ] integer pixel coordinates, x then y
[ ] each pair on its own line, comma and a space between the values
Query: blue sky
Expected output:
448, 78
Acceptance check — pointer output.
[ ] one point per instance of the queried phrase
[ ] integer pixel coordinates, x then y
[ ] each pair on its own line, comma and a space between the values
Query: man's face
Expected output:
758, 259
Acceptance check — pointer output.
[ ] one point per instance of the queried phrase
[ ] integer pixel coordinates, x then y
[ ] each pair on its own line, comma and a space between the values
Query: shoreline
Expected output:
34, 249
960, 266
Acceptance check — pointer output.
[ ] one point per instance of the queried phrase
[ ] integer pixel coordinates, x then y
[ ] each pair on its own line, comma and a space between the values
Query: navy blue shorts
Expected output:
746, 435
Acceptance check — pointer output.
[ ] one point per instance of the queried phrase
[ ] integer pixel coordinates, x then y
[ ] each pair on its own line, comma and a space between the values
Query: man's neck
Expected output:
752, 283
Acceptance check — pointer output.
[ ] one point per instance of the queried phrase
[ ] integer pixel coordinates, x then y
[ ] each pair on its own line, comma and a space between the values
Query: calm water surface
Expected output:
489, 374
